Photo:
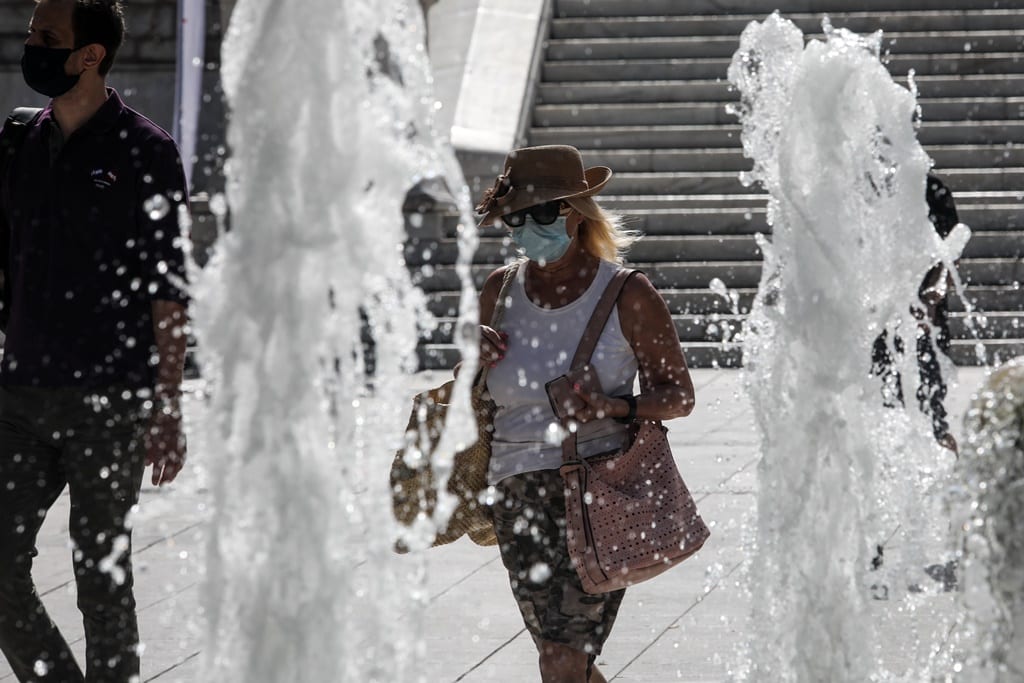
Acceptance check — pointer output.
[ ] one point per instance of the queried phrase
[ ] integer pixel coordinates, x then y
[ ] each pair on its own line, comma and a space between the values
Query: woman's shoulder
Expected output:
636, 283
495, 281
639, 293
498, 276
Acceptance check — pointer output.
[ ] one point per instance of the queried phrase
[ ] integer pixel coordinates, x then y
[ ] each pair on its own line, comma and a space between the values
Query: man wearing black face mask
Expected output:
90, 379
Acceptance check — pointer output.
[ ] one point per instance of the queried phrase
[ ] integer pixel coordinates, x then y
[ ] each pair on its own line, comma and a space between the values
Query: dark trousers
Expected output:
91, 443
931, 390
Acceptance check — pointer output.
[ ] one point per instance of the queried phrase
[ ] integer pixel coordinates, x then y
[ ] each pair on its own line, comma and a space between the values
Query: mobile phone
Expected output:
565, 401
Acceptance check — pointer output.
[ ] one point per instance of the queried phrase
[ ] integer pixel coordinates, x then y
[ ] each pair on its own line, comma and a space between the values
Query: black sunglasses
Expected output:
544, 214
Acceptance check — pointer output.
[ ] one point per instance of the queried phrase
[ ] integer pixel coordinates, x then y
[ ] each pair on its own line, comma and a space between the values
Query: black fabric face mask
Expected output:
43, 69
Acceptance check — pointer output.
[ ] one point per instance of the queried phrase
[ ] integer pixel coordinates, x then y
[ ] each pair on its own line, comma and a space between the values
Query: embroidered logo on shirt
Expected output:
103, 179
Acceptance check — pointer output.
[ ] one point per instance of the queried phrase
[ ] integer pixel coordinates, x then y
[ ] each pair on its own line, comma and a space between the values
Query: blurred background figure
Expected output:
932, 334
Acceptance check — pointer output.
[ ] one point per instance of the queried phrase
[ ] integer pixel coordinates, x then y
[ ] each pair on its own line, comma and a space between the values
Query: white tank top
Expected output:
541, 344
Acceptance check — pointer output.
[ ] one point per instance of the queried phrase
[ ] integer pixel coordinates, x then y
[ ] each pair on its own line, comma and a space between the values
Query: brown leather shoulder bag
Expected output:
629, 514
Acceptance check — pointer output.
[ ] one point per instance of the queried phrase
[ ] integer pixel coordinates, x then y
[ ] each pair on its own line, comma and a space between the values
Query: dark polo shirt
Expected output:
91, 239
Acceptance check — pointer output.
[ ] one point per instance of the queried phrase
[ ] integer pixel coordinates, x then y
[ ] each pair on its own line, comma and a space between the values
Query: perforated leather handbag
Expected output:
629, 515
413, 487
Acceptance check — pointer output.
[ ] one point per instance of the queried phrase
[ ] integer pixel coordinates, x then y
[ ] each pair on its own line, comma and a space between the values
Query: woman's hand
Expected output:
493, 345
597, 406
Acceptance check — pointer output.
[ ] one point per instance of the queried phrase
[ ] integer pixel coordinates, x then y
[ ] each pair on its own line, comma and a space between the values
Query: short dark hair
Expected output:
99, 21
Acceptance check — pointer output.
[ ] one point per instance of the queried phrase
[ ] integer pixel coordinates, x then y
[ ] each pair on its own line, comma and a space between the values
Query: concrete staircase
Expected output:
639, 85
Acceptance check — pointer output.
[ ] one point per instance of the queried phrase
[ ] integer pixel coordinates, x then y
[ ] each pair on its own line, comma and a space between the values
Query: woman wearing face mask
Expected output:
570, 248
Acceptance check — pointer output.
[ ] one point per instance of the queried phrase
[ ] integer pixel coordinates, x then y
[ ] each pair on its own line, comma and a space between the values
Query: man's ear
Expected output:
90, 57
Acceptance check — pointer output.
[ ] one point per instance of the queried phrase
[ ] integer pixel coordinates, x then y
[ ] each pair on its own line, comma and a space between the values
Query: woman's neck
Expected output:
558, 284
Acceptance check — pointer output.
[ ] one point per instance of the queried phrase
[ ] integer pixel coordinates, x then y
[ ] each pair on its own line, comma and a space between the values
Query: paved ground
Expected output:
685, 625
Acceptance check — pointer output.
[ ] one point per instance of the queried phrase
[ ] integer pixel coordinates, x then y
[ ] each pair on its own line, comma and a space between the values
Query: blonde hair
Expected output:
602, 232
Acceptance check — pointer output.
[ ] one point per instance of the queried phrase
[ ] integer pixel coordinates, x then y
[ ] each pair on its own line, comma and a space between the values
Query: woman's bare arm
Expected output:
667, 389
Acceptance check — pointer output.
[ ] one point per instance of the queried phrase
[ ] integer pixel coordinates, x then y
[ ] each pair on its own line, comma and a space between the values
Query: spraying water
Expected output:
331, 125
833, 142
988, 504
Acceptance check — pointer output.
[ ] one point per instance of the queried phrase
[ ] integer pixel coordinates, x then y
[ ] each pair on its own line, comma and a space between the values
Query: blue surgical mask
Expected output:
538, 242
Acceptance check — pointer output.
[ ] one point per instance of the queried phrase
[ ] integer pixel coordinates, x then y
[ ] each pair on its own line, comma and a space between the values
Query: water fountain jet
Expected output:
833, 141
331, 125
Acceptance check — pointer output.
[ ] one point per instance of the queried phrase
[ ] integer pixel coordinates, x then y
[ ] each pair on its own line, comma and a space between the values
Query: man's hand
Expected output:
165, 443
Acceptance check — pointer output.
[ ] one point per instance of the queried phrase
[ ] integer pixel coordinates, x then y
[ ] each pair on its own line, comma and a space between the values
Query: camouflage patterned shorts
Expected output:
529, 521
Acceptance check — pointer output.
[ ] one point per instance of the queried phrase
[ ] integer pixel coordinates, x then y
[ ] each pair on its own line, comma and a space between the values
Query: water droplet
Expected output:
540, 572
555, 434
219, 205
156, 207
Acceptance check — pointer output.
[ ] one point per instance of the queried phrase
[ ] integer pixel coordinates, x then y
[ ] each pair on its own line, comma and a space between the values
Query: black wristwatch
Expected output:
631, 415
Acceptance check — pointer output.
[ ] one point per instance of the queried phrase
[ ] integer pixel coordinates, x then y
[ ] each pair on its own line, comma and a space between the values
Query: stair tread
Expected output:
715, 103
954, 56
645, 129
839, 19
601, 9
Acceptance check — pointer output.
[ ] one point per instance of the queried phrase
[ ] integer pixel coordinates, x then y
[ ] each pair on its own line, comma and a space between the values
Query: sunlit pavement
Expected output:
686, 625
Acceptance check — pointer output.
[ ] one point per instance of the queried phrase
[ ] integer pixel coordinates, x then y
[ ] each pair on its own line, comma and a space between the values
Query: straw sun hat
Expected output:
536, 175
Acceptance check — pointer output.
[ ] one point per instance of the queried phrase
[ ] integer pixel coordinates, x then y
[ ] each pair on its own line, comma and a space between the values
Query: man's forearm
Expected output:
169, 328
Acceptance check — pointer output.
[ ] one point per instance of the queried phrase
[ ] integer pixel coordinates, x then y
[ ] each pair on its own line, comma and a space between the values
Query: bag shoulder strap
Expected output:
499, 313
24, 115
14, 132
17, 125
11, 138
502, 301
599, 318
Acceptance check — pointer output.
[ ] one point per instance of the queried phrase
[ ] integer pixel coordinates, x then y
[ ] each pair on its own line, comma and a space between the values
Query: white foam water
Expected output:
988, 504
331, 125
833, 141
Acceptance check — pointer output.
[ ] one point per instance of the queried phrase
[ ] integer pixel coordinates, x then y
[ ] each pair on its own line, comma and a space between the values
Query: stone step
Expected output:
990, 325
725, 327
698, 355
676, 183
687, 182
685, 248
996, 63
680, 301
733, 25
669, 47
715, 217
698, 137
746, 214
993, 244
963, 353
746, 273
664, 275
704, 113
498, 250
703, 301
717, 89
993, 351
713, 327
732, 159
992, 271
632, 114
990, 298
1008, 204
671, 8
